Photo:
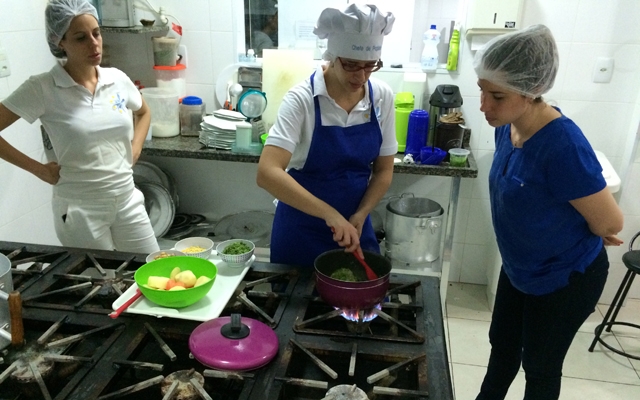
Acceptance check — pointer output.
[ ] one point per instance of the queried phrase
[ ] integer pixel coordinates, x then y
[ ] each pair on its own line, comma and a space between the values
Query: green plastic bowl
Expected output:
263, 137
176, 298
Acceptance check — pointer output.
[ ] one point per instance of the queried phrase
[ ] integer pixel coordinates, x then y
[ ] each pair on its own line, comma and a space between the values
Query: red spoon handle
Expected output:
126, 304
370, 274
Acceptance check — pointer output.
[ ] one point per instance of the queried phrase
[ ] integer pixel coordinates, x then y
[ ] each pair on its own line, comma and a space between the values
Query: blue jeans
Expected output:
537, 332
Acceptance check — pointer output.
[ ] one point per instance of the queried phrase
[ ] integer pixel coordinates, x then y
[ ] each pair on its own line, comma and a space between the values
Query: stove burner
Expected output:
182, 385
346, 392
30, 362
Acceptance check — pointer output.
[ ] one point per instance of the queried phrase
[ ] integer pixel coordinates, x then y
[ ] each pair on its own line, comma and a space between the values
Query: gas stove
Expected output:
73, 350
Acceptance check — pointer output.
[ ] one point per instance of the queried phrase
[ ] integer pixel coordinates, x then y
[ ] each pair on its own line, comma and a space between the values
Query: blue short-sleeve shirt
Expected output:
542, 238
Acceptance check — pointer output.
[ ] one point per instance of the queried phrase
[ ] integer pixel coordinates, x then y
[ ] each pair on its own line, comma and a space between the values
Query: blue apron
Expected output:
337, 171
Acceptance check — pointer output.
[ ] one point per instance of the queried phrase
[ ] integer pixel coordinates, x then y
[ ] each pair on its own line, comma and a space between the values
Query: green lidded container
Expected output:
403, 104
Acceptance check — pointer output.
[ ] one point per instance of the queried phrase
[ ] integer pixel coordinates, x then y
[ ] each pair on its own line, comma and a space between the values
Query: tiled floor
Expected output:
601, 375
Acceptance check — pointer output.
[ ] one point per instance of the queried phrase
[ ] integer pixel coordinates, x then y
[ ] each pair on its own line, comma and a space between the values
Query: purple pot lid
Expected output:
212, 348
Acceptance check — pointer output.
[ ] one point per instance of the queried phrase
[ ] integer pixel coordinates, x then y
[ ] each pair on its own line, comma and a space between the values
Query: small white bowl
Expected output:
184, 244
235, 260
156, 255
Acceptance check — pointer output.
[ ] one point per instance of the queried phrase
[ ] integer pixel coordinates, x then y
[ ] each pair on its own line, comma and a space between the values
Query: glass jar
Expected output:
192, 112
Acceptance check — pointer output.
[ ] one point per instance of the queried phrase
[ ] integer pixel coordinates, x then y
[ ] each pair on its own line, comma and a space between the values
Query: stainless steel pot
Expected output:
413, 229
6, 287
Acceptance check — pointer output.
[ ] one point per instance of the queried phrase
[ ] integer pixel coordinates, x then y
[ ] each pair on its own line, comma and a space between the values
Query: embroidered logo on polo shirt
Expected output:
118, 103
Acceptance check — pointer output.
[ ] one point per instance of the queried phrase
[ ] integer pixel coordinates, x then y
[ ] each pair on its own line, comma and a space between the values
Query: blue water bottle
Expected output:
417, 133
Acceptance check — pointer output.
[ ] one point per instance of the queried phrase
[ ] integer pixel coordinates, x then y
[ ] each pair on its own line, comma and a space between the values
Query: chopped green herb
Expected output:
344, 274
236, 248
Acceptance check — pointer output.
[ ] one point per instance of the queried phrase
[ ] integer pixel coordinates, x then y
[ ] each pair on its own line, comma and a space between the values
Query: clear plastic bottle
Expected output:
429, 59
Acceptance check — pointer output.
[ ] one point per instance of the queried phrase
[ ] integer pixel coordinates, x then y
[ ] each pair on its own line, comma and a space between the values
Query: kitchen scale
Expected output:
252, 104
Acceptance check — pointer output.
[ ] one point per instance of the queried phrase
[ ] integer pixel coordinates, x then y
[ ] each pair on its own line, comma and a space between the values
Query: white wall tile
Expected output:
22, 15
484, 159
630, 197
599, 122
615, 21
479, 226
200, 67
4, 88
624, 85
455, 265
23, 63
220, 12
475, 261
462, 220
559, 16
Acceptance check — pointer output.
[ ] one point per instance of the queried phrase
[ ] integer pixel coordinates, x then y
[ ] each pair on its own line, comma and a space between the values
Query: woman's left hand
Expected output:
612, 240
357, 221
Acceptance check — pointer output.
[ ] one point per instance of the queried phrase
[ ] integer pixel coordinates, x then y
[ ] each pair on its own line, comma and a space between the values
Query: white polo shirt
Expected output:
91, 134
294, 125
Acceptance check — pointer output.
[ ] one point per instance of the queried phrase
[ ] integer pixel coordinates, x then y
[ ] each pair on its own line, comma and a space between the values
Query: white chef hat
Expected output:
354, 33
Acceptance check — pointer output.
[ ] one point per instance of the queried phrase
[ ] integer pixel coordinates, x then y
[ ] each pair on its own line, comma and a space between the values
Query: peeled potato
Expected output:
187, 277
177, 288
202, 280
174, 272
158, 282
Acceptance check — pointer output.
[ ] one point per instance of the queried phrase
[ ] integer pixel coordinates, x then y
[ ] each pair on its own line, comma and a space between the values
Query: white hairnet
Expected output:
58, 15
356, 32
525, 61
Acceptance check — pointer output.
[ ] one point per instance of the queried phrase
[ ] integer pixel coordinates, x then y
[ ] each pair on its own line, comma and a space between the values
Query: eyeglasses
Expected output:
354, 67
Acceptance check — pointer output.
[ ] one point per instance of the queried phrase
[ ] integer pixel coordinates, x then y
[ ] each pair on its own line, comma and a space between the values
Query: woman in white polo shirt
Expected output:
86, 110
329, 156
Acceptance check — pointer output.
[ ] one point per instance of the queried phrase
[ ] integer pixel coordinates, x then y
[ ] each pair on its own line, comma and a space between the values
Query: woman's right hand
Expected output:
50, 173
344, 233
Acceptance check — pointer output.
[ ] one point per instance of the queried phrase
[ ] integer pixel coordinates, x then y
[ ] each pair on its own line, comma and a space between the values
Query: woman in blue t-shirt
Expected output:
552, 215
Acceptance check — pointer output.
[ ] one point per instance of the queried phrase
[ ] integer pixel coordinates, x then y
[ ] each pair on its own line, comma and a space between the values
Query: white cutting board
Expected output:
209, 307
281, 70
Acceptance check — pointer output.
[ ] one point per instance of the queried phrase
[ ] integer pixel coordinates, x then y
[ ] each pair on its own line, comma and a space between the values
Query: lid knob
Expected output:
235, 329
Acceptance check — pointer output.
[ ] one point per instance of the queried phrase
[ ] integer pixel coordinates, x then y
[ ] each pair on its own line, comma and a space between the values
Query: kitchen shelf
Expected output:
190, 147
134, 29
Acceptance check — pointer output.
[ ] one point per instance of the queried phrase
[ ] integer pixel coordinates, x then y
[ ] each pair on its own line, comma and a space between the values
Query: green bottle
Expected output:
454, 44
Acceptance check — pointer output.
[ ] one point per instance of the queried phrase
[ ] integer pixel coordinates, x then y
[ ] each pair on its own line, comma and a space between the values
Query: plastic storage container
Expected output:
172, 78
404, 104
165, 120
429, 59
165, 51
192, 112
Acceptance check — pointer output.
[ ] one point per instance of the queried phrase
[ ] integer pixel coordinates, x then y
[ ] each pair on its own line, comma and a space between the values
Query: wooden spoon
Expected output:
126, 305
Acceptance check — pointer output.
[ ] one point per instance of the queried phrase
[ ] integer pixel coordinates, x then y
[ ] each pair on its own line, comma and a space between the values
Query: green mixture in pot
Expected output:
344, 274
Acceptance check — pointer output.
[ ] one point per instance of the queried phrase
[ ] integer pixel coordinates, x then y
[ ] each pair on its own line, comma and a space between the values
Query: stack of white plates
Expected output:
219, 130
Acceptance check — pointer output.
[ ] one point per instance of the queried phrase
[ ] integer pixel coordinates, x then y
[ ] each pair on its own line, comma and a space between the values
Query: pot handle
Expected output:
15, 314
400, 196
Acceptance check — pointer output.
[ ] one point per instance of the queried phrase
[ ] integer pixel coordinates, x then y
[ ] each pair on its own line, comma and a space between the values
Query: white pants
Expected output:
119, 223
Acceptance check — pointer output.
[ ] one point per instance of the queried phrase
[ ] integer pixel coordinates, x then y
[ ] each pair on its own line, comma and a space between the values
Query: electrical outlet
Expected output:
4, 64
603, 70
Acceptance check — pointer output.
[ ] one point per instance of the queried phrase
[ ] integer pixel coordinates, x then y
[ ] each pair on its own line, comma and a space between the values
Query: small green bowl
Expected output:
263, 137
175, 298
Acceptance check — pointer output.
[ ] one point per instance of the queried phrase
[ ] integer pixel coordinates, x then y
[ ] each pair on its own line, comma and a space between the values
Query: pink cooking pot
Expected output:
362, 295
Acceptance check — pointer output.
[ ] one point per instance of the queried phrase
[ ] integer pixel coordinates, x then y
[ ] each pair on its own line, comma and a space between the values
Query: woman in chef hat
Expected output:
86, 111
328, 158
552, 214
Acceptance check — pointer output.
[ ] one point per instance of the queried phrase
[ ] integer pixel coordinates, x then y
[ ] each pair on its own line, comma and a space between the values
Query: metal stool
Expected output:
631, 260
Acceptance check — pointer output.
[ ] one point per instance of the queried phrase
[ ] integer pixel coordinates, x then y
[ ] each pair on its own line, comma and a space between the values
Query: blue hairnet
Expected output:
524, 61
58, 15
